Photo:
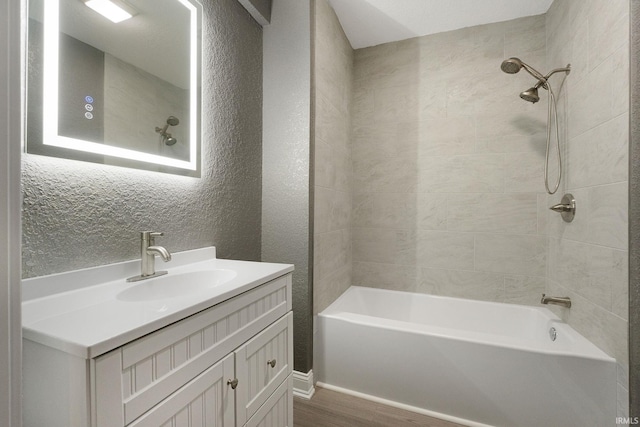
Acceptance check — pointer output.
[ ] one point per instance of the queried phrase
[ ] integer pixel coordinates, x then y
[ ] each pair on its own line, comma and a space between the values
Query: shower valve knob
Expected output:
566, 207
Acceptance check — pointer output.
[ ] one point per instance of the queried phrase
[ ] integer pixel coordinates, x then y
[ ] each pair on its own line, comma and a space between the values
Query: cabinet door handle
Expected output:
272, 363
233, 383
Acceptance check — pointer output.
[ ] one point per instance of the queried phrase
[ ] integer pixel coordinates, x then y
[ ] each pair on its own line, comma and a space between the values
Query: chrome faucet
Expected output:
149, 250
563, 301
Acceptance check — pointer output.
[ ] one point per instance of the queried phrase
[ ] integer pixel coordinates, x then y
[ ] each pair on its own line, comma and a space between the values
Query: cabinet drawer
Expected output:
132, 379
206, 401
277, 411
257, 378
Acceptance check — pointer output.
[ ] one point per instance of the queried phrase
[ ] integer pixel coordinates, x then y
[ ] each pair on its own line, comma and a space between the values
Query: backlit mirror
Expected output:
115, 82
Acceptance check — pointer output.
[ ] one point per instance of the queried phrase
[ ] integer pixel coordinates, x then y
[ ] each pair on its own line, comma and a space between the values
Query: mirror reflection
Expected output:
115, 82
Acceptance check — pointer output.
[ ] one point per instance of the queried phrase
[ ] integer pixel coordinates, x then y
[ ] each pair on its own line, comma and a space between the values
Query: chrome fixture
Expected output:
166, 136
553, 334
563, 301
148, 254
514, 65
567, 207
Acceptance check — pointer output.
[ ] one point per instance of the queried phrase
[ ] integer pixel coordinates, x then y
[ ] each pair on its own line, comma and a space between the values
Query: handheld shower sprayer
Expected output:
166, 136
513, 66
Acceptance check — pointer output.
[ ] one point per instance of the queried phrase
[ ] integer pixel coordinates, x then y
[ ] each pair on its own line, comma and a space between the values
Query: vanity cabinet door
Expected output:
277, 411
262, 365
206, 401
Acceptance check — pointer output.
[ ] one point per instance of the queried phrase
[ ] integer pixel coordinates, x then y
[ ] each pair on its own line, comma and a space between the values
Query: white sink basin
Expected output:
176, 285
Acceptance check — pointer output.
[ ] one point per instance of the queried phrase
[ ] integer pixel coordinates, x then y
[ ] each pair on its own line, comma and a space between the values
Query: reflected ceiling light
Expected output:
115, 11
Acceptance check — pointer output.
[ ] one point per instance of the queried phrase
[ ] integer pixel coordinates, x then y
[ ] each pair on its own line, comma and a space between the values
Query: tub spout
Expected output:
563, 301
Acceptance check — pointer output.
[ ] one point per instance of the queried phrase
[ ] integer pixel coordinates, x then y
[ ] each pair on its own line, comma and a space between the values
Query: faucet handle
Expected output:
152, 237
149, 236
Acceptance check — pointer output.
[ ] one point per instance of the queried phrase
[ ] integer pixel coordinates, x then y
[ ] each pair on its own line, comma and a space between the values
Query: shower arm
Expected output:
566, 69
542, 82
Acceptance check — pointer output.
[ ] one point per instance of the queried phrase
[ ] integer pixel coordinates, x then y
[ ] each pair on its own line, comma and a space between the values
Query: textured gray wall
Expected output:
77, 214
634, 215
286, 149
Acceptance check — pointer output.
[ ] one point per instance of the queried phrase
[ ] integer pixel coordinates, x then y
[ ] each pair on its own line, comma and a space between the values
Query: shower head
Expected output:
514, 65
530, 95
511, 65
170, 140
173, 121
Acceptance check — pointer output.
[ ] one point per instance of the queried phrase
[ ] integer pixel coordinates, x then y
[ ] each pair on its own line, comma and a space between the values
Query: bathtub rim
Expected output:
593, 352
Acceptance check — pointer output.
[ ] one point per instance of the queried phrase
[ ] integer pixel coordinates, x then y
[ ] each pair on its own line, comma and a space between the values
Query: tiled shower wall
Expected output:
448, 165
333, 67
588, 258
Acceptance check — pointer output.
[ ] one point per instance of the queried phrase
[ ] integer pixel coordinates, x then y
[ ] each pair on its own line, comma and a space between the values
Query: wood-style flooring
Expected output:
328, 408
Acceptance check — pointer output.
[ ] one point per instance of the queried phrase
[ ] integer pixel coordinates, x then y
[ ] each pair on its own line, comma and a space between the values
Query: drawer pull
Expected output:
233, 383
272, 363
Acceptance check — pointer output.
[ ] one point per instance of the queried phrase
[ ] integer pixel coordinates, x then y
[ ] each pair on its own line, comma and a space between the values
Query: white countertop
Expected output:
84, 318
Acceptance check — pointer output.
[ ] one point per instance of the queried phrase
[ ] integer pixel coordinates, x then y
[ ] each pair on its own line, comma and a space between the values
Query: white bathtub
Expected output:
475, 363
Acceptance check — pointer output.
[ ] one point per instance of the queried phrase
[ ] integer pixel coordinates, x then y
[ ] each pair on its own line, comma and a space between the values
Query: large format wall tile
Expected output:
332, 210
510, 253
386, 276
442, 249
599, 156
332, 162
462, 284
462, 174
332, 251
524, 290
591, 99
497, 213
608, 215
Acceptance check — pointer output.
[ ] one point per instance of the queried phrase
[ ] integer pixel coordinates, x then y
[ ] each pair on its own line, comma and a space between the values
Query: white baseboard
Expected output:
303, 384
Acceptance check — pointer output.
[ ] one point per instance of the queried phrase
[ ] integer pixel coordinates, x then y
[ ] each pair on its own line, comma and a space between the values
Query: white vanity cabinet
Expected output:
184, 375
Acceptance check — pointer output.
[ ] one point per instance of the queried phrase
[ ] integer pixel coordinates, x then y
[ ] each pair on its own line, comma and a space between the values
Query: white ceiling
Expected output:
372, 22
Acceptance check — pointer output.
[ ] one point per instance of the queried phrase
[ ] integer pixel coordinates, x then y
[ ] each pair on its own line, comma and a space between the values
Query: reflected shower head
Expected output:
530, 95
166, 137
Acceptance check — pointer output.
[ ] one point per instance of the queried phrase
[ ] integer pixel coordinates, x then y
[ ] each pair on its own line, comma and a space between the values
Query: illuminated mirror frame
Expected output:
50, 134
